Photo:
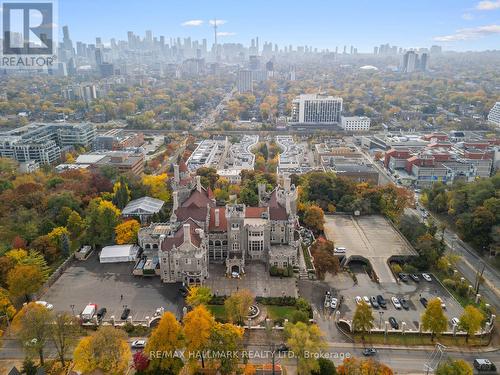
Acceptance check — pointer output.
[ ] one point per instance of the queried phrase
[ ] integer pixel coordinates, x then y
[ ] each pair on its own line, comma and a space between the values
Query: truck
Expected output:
89, 311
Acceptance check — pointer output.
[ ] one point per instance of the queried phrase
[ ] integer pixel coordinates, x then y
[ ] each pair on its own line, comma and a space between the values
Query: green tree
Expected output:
102, 218
64, 334
326, 367
363, 319
457, 367
471, 320
121, 194
198, 295
237, 306
433, 318
226, 338
304, 340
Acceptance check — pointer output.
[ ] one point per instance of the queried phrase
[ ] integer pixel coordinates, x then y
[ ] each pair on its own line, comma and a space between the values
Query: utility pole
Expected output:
479, 276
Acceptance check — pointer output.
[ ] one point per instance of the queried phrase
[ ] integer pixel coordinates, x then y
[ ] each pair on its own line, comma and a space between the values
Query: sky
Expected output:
461, 25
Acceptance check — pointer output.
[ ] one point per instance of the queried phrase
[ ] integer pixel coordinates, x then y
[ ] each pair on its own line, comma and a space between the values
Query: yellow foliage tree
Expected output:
157, 186
106, 350
166, 338
6, 306
126, 232
198, 324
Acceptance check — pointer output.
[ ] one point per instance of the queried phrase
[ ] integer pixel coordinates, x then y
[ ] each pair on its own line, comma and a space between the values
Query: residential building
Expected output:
356, 123
316, 109
245, 81
494, 115
44, 142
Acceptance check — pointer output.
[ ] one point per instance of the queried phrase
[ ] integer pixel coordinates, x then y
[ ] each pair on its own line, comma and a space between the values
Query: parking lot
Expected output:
104, 284
343, 285
370, 237
256, 279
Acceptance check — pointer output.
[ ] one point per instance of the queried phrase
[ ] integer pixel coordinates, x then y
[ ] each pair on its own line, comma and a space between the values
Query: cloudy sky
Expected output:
455, 24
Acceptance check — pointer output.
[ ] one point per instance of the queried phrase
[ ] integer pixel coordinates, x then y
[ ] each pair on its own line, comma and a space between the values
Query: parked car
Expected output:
424, 301
184, 291
415, 277
443, 305
403, 277
282, 348
138, 344
358, 300
454, 321
393, 322
367, 300
427, 277
339, 250
484, 365
368, 352
101, 312
381, 301
404, 303
396, 303
374, 302
125, 313
235, 275
333, 303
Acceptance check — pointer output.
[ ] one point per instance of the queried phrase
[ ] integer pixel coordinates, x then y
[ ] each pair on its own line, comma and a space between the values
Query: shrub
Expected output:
396, 268
299, 316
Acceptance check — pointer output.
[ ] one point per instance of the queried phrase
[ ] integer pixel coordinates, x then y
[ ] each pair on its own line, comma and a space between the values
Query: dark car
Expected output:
424, 301
381, 301
282, 348
125, 313
403, 277
184, 291
415, 278
368, 352
101, 312
404, 303
374, 302
393, 322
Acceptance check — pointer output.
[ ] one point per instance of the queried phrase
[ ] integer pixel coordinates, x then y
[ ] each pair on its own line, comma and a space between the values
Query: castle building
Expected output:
199, 232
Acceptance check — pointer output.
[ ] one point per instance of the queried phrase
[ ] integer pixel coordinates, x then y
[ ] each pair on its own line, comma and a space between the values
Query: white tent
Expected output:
118, 253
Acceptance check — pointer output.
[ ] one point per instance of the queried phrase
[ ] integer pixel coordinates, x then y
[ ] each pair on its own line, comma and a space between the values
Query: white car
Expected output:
358, 300
45, 304
443, 305
138, 344
396, 303
427, 277
454, 321
235, 275
367, 300
333, 303
340, 250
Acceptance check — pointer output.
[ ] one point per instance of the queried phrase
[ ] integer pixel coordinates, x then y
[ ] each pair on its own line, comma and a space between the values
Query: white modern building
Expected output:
118, 253
245, 81
494, 115
356, 123
316, 109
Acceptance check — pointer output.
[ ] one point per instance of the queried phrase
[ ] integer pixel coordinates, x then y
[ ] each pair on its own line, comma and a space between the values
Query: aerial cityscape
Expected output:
249, 188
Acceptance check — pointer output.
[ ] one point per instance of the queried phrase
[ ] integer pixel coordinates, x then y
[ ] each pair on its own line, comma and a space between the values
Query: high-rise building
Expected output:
424, 58
436, 50
316, 109
412, 62
245, 81
494, 115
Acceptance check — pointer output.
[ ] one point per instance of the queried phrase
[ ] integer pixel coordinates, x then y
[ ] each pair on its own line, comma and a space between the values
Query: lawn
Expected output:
415, 339
218, 311
279, 312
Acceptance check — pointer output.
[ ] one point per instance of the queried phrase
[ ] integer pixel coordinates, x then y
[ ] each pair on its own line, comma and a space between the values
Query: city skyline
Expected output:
456, 25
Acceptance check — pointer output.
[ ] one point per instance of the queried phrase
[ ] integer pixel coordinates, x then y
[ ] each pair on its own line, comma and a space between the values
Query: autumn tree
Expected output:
126, 232
471, 320
324, 258
75, 225
326, 367
209, 176
314, 218
363, 319
106, 350
454, 367
121, 193
24, 280
7, 309
157, 186
166, 338
237, 306
64, 334
354, 365
304, 340
198, 324
198, 295
226, 338
433, 318
102, 218
33, 326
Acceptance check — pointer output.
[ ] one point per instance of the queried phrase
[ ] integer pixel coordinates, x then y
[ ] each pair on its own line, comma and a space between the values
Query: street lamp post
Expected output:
381, 313
72, 309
